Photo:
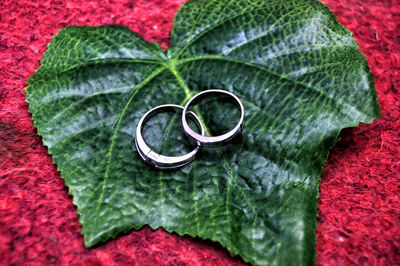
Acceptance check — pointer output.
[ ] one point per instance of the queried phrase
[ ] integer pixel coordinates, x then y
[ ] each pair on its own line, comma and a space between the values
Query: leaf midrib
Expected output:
188, 94
171, 66
232, 175
177, 62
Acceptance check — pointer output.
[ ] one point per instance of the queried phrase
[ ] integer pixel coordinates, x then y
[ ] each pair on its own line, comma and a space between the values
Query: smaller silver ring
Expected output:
157, 160
214, 140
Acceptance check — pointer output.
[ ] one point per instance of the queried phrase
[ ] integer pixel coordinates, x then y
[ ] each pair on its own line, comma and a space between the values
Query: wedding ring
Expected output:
214, 140
157, 160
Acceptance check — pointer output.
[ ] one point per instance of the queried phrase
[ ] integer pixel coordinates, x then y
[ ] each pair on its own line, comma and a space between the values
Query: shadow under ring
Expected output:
212, 140
157, 160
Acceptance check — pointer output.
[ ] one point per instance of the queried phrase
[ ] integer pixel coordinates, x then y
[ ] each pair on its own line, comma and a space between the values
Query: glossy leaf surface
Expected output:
299, 75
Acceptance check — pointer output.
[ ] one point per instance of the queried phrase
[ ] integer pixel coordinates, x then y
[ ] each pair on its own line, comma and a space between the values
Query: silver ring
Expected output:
215, 140
158, 160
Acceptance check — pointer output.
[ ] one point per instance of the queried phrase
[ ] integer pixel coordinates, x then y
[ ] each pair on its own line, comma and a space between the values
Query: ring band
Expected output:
158, 160
215, 140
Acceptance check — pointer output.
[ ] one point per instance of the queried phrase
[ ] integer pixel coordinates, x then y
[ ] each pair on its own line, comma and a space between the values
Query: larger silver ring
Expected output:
215, 140
158, 160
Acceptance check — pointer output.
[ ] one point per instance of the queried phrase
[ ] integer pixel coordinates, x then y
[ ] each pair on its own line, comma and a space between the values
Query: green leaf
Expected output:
301, 79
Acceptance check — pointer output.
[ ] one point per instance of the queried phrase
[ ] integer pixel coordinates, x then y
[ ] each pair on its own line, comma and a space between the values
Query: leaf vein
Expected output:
285, 77
108, 156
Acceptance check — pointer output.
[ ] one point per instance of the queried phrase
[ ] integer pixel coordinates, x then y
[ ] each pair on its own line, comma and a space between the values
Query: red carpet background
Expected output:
359, 217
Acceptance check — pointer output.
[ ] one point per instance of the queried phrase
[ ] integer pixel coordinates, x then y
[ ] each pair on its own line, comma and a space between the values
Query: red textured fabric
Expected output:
359, 206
